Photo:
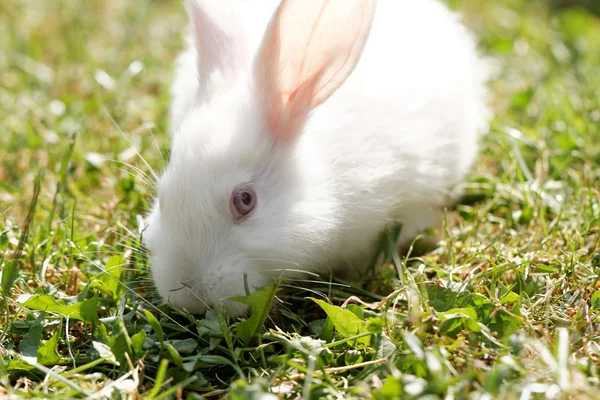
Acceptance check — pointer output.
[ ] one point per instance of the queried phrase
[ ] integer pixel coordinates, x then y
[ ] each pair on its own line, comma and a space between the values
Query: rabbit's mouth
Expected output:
195, 299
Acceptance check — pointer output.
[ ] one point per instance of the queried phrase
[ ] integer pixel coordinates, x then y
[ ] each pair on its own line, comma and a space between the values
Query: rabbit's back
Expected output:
400, 134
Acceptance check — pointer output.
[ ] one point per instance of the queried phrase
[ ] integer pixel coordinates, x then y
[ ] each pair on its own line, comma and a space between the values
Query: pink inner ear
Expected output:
287, 112
309, 50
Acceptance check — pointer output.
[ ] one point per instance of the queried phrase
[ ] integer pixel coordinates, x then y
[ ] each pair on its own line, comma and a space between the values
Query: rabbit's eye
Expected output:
243, 201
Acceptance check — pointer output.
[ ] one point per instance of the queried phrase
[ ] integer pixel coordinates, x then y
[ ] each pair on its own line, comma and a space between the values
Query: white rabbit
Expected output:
296, 141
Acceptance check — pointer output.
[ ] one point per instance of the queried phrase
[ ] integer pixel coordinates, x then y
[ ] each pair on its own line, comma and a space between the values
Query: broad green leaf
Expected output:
156, 327
137, 342
83, 295
446, 301
46, 353
476, 300
356, 310
120, 344
19, 365
214, 342
185, 346
111, 275
101, 333
457, 319
85, 311
175, 356
510, 298
443, 299
458, 313
323, 328
32, 339
345, 321
505, 323
10, 274
596, 300
352, 356
375, 325
210, 324
328, 330
392, 389
260, 303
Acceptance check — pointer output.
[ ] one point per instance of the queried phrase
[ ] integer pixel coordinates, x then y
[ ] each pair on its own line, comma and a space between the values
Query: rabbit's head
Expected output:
234, 208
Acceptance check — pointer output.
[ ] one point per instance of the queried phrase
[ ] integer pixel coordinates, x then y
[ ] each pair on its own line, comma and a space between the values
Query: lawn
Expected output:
508, 305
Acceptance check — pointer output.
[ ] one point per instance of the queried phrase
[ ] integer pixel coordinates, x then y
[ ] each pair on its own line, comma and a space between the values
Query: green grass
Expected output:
507, 306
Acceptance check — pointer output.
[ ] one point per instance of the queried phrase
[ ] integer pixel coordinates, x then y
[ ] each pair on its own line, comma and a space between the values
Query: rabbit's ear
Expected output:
308, 51
218, 36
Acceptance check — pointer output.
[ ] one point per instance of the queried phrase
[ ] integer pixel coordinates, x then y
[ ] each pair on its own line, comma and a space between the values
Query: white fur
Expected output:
392, 144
